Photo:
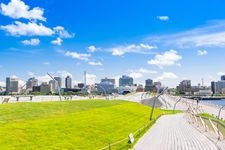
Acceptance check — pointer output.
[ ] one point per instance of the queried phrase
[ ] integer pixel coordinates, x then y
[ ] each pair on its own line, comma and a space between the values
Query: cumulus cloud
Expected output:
57, 41
95, 63
59, 30
163, 18
64, 73
136, 75
79, 56
166, 76
17, 9
202, 52
44, 78
168, 58
220, 73
32, 42
2, 84
92, 49
29, 29
132, 48
139, 73
31, 74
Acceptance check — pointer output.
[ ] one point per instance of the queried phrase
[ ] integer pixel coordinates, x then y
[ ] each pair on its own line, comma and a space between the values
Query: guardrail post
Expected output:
203, 123
214, 128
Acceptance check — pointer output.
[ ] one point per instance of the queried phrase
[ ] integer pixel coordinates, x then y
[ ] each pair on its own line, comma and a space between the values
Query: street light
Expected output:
153, 105
59, 89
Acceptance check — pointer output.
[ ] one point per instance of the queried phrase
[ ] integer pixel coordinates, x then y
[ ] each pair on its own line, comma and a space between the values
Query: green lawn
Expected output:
80, 125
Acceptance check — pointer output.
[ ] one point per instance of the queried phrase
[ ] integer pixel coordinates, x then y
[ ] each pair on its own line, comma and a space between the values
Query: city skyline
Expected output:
139, 39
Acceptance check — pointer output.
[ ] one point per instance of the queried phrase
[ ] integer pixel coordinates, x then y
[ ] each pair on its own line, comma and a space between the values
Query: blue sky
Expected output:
166, 41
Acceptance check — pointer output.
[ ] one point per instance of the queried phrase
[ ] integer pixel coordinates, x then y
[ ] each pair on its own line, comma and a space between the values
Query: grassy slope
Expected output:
69, 125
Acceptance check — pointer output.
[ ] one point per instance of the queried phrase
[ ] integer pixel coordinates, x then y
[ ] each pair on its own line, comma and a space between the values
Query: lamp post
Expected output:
155, 98
59, 88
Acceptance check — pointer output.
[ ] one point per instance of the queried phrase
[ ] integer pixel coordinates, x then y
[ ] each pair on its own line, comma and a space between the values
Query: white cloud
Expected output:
31, 74
163, 18
59, 30
209, 35
90, 79
136, 75
29, 29
168, 58
92, 49
58, 41
202, 52
2, 84
139, 73
46, 63
166, 76
18, 9
64, 73
44, 78
95, 63
76, 55
143, 70
32, 42
132, 48
220, 73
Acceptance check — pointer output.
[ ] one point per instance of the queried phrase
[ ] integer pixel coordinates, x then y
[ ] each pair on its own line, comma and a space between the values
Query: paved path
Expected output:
173, 132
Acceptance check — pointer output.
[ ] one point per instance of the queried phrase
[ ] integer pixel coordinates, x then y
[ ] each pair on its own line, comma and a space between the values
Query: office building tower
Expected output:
126, 81
68, 82
12, 86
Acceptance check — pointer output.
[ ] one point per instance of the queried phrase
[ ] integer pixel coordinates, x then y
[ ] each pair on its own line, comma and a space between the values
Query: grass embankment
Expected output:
214, 120
86, 124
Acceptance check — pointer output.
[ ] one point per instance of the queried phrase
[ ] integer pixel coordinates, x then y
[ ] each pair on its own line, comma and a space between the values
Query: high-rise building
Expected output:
45, 88
52, 85
184, 86
105, 87
59, 80
80, 85
223, 77
126, 81
108, 80
68, 82
218, 87
12, 85
148, 82
148, 85
31, 82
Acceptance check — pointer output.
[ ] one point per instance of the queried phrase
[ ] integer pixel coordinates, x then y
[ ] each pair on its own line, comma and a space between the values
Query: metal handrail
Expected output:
155, 98
176, 103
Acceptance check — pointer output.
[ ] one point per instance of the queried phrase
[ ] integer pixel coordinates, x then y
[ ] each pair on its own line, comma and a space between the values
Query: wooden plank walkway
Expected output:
173, 132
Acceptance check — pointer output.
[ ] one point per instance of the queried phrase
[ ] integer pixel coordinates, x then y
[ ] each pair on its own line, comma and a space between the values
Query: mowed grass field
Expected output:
78, 125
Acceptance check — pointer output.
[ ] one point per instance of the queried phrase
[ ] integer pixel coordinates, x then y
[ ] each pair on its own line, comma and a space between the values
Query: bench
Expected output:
5, 100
